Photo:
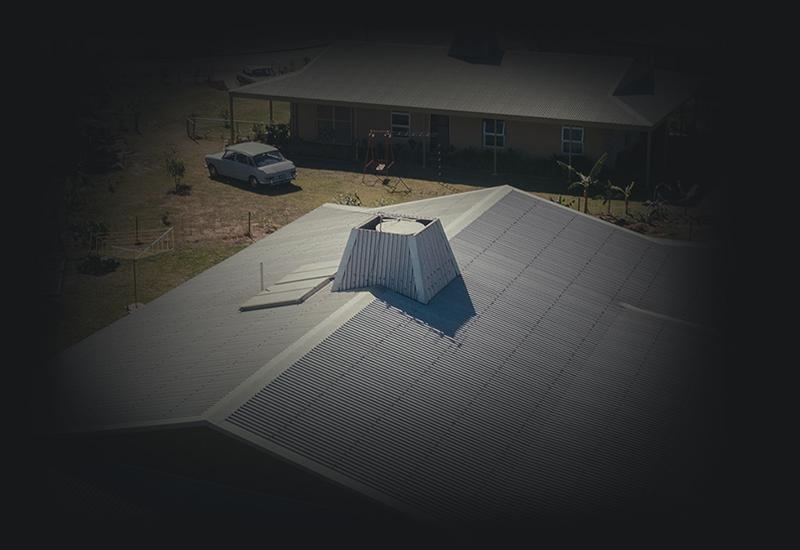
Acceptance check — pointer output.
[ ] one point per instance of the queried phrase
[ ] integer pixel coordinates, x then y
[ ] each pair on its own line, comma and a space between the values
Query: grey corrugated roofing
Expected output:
534, 385
178, 356
536, 85
185, 350
556, 375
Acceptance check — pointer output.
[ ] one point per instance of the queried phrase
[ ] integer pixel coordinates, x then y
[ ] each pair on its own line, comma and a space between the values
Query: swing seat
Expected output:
380, 167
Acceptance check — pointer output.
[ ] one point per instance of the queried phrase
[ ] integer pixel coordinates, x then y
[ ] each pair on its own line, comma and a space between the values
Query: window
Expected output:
334, 124
244, 159
571, 140
265, 159
494, 133
229, 155
401, 124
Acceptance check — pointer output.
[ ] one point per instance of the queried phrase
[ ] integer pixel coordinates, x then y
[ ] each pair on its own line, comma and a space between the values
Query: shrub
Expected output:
562, 201
349, 199
176, 170
277, 135
182, 189
225, 114
382, 201
94, 264
83, 231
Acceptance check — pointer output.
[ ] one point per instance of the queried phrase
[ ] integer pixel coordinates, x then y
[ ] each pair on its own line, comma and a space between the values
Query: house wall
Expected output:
465, 132
538, 140
381, 119
535, 139
305, 124
307, 121
370, 119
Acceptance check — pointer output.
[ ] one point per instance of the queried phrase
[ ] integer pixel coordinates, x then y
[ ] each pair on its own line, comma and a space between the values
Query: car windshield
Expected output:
265, 159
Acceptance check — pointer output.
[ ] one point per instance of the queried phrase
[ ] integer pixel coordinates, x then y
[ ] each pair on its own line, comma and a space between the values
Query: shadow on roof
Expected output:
446, 313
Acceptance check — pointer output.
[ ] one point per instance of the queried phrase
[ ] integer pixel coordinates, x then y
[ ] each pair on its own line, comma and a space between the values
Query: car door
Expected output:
227, 165
245, 166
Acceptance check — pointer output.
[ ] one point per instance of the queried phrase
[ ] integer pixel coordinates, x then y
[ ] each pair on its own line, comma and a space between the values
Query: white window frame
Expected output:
565, 151
494, 134
406, 127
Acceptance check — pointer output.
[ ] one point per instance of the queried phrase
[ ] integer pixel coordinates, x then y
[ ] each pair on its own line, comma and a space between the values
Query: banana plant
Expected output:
626, 193
585, 181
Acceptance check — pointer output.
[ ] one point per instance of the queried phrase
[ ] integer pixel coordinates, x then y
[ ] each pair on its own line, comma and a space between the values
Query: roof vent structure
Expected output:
408, 255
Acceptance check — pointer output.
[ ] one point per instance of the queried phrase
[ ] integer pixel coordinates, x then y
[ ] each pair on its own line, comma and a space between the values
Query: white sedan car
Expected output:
253, 162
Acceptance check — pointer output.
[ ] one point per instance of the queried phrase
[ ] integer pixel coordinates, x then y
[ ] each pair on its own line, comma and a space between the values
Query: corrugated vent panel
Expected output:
417, 265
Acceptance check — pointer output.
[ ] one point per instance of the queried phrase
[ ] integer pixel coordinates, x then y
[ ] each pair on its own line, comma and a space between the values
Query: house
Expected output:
561, 372
537, 103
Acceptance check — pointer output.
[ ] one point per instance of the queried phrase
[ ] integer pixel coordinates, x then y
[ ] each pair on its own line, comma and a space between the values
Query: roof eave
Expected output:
448, 112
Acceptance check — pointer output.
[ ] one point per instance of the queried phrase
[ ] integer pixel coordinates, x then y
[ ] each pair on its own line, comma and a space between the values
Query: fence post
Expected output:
249, 233
233, 121
261, 265
135, 292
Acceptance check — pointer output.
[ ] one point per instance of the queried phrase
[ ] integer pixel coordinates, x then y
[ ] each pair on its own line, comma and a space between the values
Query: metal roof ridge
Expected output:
621, 104
431, 199
348, 207
138, 426
446, 48
656, 240
325, 472
218, 412
286, 358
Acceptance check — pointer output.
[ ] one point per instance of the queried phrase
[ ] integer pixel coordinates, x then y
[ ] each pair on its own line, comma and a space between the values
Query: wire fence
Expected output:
133, 266
135, 244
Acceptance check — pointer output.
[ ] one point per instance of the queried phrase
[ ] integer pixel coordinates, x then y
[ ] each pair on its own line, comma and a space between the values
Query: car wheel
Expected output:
212, 171
253, 182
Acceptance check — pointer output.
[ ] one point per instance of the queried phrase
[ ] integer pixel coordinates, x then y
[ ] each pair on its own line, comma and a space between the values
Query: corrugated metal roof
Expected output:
183, 352
551, 377
524, 388
558, 87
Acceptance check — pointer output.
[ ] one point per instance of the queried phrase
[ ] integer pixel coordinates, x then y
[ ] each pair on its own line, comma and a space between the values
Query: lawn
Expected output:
211, 223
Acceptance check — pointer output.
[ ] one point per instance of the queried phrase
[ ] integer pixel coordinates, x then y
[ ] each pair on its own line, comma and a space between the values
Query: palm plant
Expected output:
585, 181
626, 193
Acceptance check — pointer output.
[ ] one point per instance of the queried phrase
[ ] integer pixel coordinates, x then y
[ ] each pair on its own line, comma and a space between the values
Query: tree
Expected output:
626, 193
585, 181
176, 170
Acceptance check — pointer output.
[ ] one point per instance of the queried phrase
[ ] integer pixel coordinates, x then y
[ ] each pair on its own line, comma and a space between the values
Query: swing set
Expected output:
379, 163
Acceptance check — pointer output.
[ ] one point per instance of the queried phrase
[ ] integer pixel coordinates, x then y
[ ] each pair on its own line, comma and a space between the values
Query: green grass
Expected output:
89, 303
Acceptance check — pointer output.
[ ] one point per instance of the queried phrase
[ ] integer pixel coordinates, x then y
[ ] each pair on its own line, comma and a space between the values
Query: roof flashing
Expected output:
294, 288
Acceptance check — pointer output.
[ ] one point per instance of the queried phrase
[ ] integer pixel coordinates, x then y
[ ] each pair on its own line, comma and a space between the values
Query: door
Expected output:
227, 164
244, 167
440, 133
